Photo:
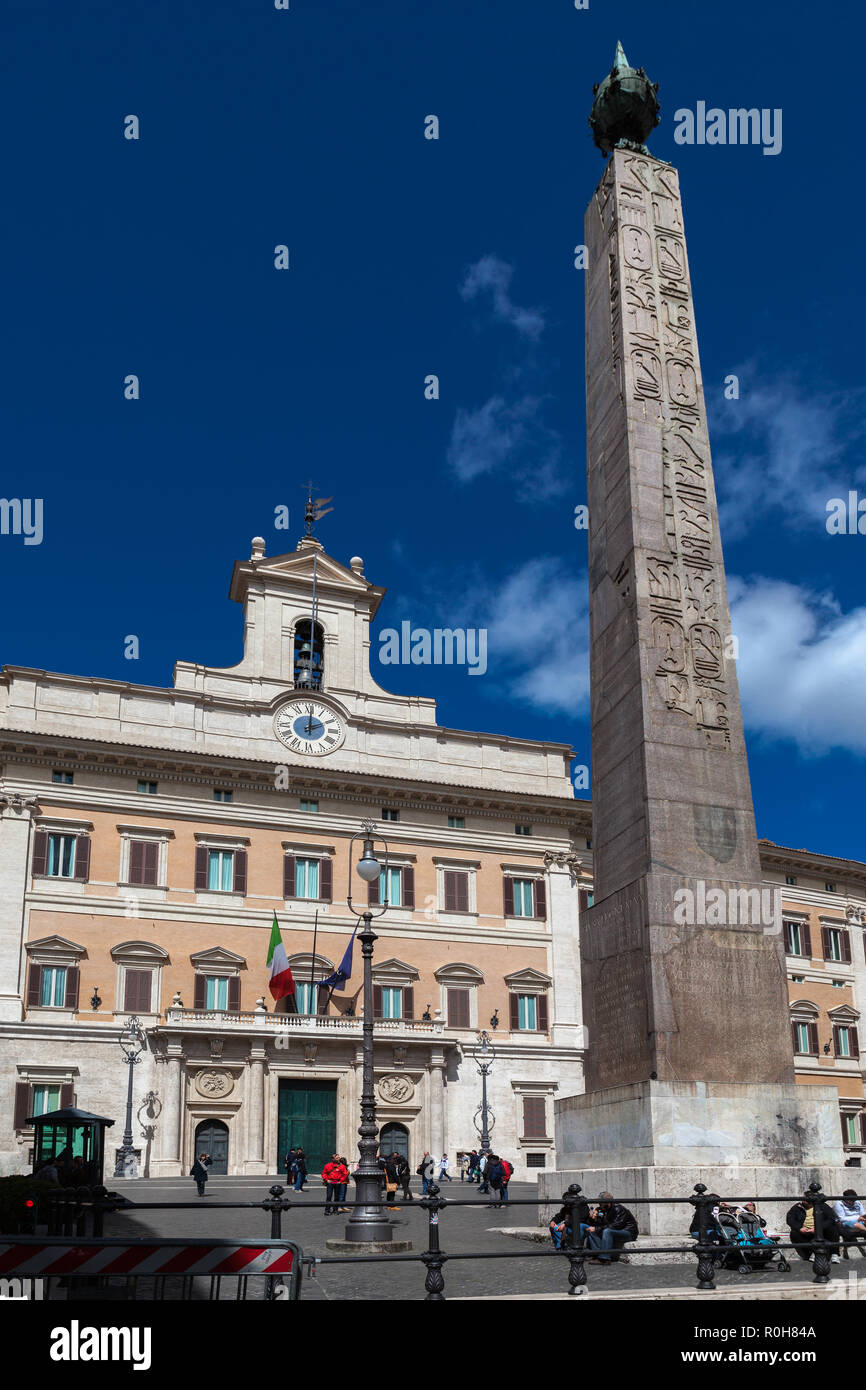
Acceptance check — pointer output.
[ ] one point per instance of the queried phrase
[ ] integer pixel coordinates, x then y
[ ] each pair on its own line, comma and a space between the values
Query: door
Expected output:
212, 1137
394, 1139
307, 1120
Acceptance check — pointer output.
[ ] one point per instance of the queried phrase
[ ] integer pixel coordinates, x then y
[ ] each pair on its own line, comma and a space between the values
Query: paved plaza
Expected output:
527, 1267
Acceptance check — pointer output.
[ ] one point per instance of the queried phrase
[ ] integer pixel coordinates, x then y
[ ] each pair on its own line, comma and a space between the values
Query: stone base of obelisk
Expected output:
658, 1139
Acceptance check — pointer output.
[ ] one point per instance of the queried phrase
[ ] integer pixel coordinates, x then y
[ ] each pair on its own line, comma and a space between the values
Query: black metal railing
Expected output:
72, 1212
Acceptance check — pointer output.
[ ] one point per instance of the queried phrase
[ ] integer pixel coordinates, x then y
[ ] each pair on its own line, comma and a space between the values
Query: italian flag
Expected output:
281, 981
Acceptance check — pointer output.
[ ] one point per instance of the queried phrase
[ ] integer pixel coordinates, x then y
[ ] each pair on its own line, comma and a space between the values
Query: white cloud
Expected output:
500, 433
801, 665
789, 454
492, 276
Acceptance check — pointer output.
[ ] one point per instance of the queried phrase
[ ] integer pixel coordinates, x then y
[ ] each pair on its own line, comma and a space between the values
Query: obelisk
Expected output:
689, 1055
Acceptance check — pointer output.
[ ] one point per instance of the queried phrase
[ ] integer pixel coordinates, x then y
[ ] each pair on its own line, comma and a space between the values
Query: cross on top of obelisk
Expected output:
626, 107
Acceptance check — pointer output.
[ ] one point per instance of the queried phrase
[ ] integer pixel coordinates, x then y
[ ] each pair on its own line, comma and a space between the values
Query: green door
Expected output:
307, 1120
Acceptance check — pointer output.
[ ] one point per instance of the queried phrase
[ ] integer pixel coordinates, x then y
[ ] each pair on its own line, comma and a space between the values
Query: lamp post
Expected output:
132, 1044
483, 1054
368, 1223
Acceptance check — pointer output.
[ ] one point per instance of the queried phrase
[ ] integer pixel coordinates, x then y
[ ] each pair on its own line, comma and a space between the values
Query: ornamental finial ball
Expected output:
625, 109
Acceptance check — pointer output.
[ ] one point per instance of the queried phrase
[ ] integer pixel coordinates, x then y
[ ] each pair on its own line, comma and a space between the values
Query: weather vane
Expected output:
315, 509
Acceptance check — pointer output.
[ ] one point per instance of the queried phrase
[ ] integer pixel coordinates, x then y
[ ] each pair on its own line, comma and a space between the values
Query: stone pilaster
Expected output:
16, 817
562, 896
436, 1081
255, 1112
171, 1128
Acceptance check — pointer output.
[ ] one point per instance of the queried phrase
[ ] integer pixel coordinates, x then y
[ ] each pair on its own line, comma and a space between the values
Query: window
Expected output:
312, 806
220, 871
306, 878
791, 879
147, 788
393, 1001
61, 856
536, 1160
838, 984
528, 1013
805, 1037
829, 888
589, 844
309, 657
585, 896
391, 887
523, 829
456, 890
524, 898
44, 1099
456, 823
534, 1117
216, 992
304, 991
845, 1041
144, 862
388, 814
53, 989
836, 944
220, 794
849, 1129
798, 939
138, 991
798, 979
458, 1008
66, 778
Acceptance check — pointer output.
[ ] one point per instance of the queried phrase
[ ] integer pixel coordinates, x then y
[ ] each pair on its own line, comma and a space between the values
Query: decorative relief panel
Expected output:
395, 1090
214, 1084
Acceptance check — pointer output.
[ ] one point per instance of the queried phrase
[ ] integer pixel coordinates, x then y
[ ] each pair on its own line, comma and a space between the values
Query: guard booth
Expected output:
62, 1137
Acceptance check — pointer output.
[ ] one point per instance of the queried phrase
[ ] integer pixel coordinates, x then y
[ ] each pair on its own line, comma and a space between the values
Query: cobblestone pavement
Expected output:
527, 1266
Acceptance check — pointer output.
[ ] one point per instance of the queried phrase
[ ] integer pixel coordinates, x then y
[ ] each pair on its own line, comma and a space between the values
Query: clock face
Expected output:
307, 726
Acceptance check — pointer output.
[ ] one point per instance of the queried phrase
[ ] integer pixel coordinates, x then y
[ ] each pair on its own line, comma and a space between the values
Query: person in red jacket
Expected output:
335, 1175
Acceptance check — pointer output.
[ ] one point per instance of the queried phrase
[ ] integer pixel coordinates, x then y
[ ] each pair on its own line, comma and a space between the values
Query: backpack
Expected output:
507, 1170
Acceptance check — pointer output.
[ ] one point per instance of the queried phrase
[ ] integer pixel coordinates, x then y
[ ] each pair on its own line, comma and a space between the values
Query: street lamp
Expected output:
368, 1223
132, 1044
483, 1054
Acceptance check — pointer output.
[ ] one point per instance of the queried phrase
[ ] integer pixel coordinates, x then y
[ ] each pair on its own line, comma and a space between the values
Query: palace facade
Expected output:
148, 836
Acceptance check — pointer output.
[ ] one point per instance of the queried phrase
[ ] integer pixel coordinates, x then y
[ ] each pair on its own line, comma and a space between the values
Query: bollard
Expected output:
704, 1247
821, 1258
432, 1256
276, 1206
572, 1247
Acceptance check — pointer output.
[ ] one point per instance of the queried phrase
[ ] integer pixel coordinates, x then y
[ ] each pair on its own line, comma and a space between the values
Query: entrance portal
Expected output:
212, 1137
394, 1138
307, 1120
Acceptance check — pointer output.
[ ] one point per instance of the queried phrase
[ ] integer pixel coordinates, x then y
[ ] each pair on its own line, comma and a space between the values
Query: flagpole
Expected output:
313, 963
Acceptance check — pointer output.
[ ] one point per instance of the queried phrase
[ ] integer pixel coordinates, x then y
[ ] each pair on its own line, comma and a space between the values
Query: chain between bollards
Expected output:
433, 1258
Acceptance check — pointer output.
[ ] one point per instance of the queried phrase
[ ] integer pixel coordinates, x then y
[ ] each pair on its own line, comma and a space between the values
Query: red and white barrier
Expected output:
43, 1260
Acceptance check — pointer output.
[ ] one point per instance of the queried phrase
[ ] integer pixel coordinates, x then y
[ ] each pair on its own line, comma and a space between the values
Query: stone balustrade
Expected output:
306, 1023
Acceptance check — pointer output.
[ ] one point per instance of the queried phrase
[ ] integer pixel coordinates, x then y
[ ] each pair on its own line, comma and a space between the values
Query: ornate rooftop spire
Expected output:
626, 107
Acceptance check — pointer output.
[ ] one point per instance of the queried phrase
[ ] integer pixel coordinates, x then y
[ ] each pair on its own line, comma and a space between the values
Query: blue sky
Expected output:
411, 256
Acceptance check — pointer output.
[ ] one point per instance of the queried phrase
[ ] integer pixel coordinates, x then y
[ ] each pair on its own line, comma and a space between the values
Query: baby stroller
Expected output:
746, 1247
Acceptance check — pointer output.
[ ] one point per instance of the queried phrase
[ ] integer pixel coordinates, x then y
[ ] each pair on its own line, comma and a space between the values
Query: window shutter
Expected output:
234, 994
240, 867
408, 1001
40, 852
201, 868
82, 858
200, 992
845, 938
409, 887
583, 894
534, 1122
540, 897
323, 995
813, 1039
34, 986
137, 992
22, 1105
72, 977
450, 891
795, 1041
541, 1012
825, 942
863, 1127
855, 1042
151, 863
136, 861
836, 1042
807, 940
462, 892
458, 1008
289, 876
326, 880
373, 893
377, 1001
514, 1012
67, 1095
508, 896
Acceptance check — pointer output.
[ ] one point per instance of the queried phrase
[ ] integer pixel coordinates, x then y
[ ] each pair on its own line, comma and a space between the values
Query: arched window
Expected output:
309, 656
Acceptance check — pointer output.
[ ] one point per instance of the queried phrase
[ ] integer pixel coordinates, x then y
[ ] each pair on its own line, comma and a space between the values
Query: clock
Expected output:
308, 726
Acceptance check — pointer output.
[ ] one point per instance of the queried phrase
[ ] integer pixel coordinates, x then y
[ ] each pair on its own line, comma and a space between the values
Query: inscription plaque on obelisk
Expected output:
689, 1063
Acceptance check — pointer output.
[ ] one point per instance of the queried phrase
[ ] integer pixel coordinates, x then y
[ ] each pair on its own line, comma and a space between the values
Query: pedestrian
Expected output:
613, 1226
507, 1170
344, 1183
332, 1178
801, 1223
471, 1160
483, 1171
300, 1170
560, 1227
494, 1176
392, 1178
443, 1169
289, 1164
851, 1220
199, 1172
404, 1177
426, 1172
